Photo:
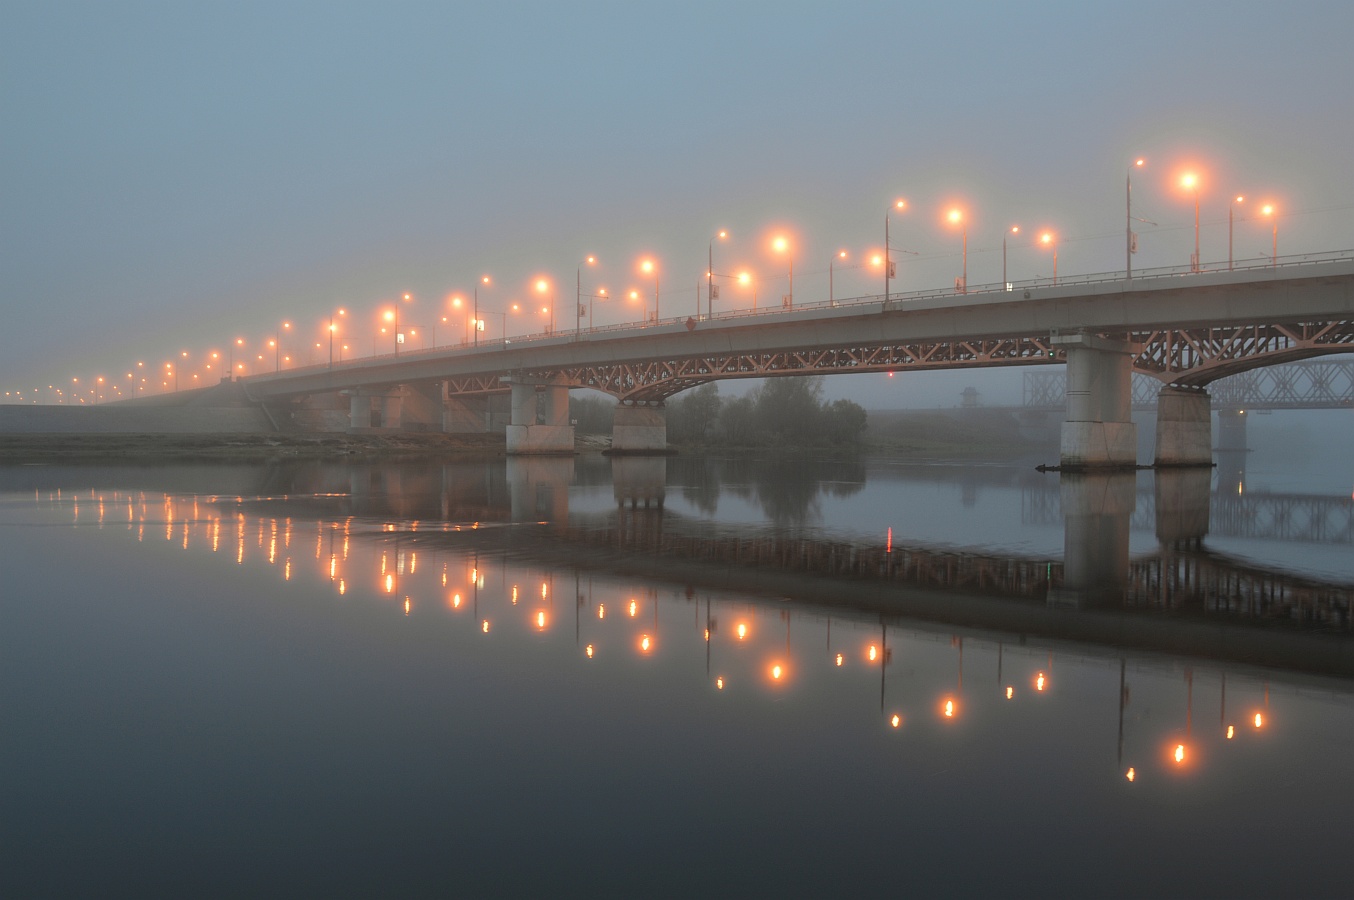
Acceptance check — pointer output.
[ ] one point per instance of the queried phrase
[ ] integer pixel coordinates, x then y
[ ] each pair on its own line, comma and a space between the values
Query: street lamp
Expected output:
277, 347
831, 264
479, 323
578, 298
332, 329
1014, 229
956, 217
782, 245
649, 267
710, 290
745, 279
1268, 211
1048, 240
1190, 182
889, 270
1231, 207
1131, 245
543, 288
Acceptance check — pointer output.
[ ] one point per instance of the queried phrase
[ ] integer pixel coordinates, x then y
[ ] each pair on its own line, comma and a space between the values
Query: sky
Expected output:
176, 176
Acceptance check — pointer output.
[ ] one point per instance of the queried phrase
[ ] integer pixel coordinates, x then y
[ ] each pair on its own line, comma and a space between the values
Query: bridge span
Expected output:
1184, 330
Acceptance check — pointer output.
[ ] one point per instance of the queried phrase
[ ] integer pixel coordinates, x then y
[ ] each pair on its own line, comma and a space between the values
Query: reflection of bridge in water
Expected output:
1182, 598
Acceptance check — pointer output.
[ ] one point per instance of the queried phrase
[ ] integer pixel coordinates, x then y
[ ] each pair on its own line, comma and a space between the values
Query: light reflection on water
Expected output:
739, 650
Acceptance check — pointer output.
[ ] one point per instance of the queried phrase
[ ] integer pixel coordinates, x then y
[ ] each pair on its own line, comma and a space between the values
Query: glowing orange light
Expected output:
645, 643
900, 204
647, 265
780, 244
839, 659
1189, 180
1179, 754
592, 260
1046, 238
1231, 732
1267, 210
542, 285
601, 610
1040, 682
390, 584
876, 260
955, 216
896, 720
1131, 774
777, 671
540, 619
1010, 692
455, 601
872, 654
719, 682
744, 278
484, 626
634, 607
949, 709
1259, 720
742, 630
588, 650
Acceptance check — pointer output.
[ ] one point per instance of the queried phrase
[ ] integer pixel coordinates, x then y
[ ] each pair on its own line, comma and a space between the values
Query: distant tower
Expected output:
970, 398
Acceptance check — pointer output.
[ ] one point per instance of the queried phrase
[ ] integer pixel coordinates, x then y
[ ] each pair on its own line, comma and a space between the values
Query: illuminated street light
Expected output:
956, 217
1014, 229
710, 290
1268, 211
578, 300
889, 270
543, 288
1131, 238
649, 267
1231, 208
1190, 182
479, 323
1048, 240
782, 245
831, 263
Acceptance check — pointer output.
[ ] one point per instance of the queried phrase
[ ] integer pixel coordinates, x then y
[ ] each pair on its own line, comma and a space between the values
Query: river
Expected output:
685, 676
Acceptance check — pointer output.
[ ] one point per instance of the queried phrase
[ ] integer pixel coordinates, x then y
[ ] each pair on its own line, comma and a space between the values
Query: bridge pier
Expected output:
372, 411
540, 419
639, 428
1184, 427
1098, 432
538, 489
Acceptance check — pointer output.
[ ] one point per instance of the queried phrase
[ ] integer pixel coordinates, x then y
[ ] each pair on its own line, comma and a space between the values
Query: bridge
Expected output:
1183, 330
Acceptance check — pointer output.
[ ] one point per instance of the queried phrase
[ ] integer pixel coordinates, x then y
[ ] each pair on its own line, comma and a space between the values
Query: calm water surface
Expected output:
686, 676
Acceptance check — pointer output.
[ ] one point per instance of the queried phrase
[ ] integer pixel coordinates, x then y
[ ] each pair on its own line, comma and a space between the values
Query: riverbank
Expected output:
54, 448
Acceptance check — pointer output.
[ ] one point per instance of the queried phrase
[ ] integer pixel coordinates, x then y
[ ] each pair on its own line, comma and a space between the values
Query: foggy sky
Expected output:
177, 175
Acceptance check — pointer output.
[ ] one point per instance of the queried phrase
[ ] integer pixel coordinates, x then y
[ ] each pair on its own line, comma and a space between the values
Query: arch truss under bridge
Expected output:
654, 381
1195, 357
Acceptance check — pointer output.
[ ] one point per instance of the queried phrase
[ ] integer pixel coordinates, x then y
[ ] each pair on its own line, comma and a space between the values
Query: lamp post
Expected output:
649, 267
1268, 211
956, 217
1131, 245
1231, 207
710, 277
831, 263
1190, 182
1014, 229
745, 279
332, 329
1048, 240
899, 205
782, 245
479, 323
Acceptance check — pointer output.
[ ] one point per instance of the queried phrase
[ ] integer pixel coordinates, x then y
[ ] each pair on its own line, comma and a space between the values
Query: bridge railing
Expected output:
901, 297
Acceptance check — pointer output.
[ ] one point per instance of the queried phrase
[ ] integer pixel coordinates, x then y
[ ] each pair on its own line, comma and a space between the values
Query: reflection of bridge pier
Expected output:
539, 489
1182, 506
1097, 510
639, 484
639, 427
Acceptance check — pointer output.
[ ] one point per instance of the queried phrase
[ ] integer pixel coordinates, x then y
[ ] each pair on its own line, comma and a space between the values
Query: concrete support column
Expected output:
538, 489
527, 434
1184, 428
1097, 510
1098, 431
1232, 430
359, 411
639, 428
